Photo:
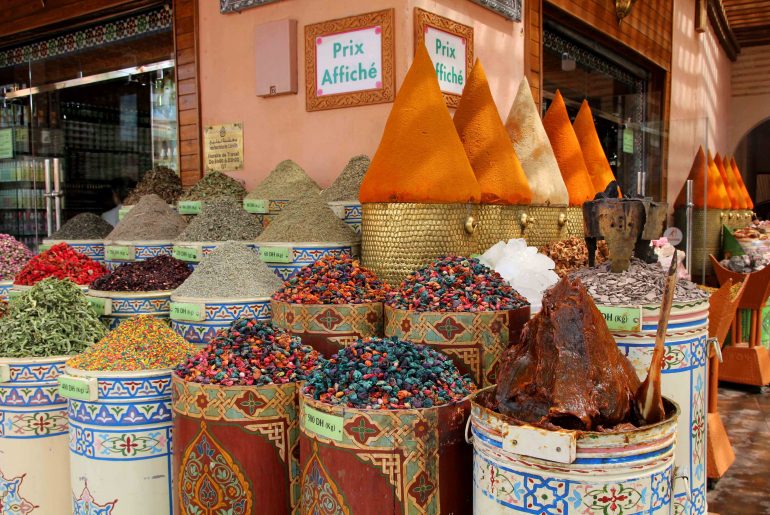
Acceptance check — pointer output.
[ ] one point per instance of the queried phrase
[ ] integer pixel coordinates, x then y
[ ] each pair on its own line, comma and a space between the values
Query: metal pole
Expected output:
48, 194
57, 190
688, 215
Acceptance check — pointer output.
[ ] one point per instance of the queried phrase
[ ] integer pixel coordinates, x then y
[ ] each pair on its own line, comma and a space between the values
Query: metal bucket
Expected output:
5, 289
120, 439
193, 252
33, 437
116, 307
91, 248
329, 327
285, 259
684, 381
380, 462
349, 212
117, 253
523, 469
236, 448
198, 320
474, 340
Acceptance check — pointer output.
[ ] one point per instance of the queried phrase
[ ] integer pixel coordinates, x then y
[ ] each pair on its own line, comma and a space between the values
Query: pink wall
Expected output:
323, 141
700, 96
750, 104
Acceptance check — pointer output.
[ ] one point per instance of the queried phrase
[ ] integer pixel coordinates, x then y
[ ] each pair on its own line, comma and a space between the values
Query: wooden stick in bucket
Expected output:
649, 400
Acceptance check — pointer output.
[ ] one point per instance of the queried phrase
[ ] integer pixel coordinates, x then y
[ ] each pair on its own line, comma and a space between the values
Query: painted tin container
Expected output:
117, 253
285, 259
684, 381
236, 449
117, 306
193, 252
119, 440
197, 320
91, 248
265, 209
33, 437
474, 341
380, 462
329, 327
515, 467
5, 289
349, 212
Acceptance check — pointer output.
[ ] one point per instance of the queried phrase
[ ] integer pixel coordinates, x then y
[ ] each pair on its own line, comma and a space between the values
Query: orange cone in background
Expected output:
596, 160
731, 195
738, 200
420, 157
703, 177
568, 154
498, 171
715, 179
739, 178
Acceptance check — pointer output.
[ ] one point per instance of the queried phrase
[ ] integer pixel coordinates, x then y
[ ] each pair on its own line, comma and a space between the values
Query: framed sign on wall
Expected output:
350, 61
450, 46
235, 6
510, 9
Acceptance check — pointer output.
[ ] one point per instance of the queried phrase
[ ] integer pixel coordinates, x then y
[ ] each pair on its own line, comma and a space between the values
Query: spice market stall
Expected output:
14, 255
286, 183
342, 195
85, 233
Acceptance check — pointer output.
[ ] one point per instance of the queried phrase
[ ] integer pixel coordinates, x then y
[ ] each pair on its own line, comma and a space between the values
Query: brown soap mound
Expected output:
567, 372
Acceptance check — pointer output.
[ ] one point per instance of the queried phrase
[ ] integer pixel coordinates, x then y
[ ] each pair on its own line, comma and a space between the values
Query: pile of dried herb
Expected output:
150, 220
159, 273
308, 219
288, 181
215, 184
85, 226
161, 181
53, 318
346, 186
222, 219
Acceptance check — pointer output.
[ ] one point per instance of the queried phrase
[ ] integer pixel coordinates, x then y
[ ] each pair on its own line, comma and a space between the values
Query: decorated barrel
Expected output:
522, 469
117, 306
235, 448
285, 259
684, 379
349, 212
117, 253
380, 462
474, 340
265, 209
34, 468
119, 440
329, 327
91, 248
193, 252
5, 289
197, 320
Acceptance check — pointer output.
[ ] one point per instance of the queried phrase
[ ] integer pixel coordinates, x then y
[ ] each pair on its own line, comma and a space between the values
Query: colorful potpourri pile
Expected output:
457, 284
13, 256
155, 274
333, 280
141, 343
250, 353
62, 262
388, 373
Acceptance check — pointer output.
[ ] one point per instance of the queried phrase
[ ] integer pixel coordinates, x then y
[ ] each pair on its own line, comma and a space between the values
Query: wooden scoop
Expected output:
649, 400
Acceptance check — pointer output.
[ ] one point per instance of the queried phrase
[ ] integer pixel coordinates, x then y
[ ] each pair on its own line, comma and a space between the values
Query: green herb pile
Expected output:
53, 318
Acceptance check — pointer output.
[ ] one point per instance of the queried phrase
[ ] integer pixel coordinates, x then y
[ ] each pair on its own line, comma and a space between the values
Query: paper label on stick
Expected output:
187, 253
78, 388
323, 424
119, 253
188, 312
276, 254
258, 206
189, 207
622, 318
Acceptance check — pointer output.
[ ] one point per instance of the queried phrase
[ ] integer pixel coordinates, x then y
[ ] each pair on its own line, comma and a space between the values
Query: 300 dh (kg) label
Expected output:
323, 424
258, 206
622, 318
119, 253
101, 305
189, 207
188, 312
78, 388
276, 254
186, 253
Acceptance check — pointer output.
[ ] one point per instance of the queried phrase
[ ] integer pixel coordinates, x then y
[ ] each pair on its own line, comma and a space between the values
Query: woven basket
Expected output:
706, 238
400, 238
498, 223
544, 224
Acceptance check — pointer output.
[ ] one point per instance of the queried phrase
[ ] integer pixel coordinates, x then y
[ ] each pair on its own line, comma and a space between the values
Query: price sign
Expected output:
622, 318
78, 388
323, 424
276, 254
628, 141
259, 206
673, 235
5, 373
119, 253
189, 207
43, 247
187, 253
188, 312
122, 212
101, 305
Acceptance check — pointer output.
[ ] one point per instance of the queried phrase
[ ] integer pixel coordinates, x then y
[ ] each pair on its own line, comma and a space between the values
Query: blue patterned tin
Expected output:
349, 212
116, 306
91, 248
5, 288
117, 253
198, 320
120, 439
285, 259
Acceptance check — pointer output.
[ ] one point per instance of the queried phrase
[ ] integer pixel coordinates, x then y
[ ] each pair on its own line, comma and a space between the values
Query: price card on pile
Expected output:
43, 247
119, 253
189, 207
192, 253
79, 388
259, 206
622, 318
323, 424
101, 305
122, 212
276, 254
5, 372
188, 311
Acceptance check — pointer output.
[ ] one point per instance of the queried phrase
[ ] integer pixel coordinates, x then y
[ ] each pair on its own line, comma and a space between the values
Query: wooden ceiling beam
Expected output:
718, 19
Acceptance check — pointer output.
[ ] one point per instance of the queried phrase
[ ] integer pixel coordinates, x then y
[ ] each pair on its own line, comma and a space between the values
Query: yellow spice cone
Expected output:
731, 185
497, 169
717, 187
596, 161
739, 178
707, 184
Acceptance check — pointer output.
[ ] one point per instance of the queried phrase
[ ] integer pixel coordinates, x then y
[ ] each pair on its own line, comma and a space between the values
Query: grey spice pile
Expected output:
85, 226
222, 219
641, 284
346, 186
288, 181
215, 184
150, 220
308, 220
161, 181
231, 271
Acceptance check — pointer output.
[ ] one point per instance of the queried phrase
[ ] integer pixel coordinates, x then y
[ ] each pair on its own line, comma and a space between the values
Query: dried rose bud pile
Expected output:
13, 256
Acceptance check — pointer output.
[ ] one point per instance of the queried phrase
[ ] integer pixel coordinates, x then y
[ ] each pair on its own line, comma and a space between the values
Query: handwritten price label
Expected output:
101, 305
259, 206
78, 388
622, 318
323, 424
186, 253
276, 254
119, 253
189, 207
122, 212
188, 312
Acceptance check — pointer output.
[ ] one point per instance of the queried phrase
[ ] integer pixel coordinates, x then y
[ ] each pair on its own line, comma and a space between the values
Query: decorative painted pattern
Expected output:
33, 424
85, 504
198, 333
139, 388
110, 32
24, 396
509, 9
11, 500
142, 253
319, 493
94, 250
5, 288
112, 414
120, 445
149, 303
306, 255
475, 341
35, 372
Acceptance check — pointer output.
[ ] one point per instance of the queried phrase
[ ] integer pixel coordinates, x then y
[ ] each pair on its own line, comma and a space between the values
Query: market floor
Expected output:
745, 487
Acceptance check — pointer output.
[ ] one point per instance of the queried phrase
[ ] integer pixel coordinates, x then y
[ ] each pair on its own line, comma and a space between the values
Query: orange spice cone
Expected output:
567, 151
717, 193
731, 195
525, 129
497, 169
420, 157
734, 187
596, 161
739, 178
698, 174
